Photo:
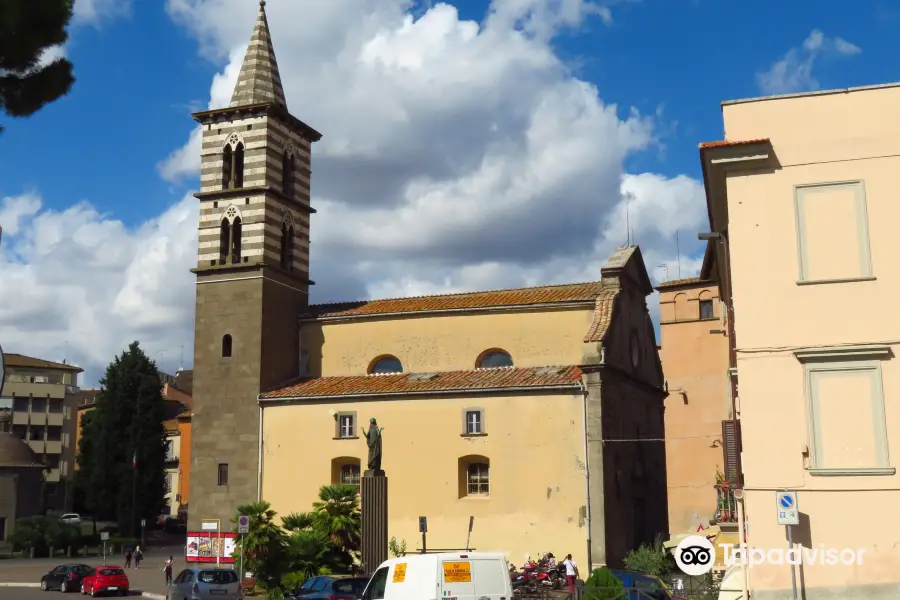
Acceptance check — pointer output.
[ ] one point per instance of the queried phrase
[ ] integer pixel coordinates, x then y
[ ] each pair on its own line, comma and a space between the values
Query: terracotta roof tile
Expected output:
29, 362
603, 308
727, 143
551, 294
450, 381
685, 281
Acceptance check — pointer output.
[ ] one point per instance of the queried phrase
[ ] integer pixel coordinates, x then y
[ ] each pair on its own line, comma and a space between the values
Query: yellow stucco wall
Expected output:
447, 342
537, 496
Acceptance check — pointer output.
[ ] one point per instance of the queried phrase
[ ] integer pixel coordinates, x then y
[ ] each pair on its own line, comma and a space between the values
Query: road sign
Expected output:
423, 524
104, 536
143, 522
243, 524
787, 508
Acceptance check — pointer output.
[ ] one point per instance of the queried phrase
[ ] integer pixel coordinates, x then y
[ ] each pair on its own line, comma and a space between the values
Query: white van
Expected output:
444, 576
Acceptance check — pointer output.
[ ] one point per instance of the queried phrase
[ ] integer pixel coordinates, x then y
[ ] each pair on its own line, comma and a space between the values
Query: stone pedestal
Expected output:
374, 498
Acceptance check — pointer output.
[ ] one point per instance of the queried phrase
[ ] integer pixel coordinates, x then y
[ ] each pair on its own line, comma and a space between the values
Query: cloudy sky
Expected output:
470, 144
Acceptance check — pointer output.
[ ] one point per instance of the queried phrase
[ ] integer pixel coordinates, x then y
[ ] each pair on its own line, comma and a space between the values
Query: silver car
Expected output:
205, 583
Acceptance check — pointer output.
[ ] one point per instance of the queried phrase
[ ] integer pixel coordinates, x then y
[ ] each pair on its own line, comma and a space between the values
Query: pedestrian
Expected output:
571, 572
168, 570
138, 556
128, 557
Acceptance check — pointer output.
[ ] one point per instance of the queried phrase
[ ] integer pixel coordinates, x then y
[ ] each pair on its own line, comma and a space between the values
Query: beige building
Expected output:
21, 480
43, 398
802, 194
538, 411
699, 447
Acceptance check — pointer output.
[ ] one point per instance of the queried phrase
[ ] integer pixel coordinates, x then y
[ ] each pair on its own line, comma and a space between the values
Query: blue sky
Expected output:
454, 158
133, 97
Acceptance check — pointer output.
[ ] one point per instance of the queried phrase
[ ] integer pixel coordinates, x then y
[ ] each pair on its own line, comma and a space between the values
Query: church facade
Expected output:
537, 411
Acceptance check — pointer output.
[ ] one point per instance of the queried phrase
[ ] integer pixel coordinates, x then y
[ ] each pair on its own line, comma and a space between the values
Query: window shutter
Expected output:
731, 450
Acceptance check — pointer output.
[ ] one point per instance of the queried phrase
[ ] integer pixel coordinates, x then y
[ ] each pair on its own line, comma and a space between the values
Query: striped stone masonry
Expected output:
259, 80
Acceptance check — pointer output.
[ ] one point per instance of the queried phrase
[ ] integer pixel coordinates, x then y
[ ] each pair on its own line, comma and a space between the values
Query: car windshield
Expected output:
219, 577
349, 586
110, 572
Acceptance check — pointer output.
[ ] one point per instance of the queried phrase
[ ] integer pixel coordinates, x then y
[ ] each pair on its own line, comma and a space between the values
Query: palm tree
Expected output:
337, 515
263, 546
309, 553
297, 521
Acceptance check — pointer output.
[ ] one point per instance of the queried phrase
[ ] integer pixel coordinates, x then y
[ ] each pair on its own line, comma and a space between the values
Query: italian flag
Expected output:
134, 460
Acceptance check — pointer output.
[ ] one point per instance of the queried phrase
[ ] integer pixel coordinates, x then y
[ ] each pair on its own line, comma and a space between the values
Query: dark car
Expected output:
331, 588
640, 586
66, 578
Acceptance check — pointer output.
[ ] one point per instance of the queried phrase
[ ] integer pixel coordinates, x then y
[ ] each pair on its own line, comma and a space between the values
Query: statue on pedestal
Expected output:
373, 440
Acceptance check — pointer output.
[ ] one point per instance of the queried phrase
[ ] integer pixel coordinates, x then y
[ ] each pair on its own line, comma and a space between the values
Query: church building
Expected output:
537, 411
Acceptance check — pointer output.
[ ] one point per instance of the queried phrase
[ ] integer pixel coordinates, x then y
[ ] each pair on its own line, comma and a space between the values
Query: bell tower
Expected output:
252, 275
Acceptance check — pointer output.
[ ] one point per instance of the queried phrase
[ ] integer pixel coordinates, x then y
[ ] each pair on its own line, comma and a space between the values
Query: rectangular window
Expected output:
36, 434
706, 310
846, 415
345, 425
478, 479
350, 475
832, 232
223, 474
38, 405
473, 421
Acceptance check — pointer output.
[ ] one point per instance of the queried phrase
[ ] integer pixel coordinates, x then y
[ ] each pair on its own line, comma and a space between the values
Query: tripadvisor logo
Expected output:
695, 555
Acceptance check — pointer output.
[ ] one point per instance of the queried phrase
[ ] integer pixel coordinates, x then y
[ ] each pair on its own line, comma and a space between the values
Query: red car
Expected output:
105, 580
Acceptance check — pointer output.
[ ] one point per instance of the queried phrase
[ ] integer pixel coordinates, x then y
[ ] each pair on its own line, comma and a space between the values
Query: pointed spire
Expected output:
259, 81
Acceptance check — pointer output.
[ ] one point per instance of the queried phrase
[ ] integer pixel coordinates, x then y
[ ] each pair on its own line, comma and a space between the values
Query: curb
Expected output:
37, 585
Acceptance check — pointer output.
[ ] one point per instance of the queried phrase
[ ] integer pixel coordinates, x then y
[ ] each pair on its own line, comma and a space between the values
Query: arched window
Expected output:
494, 358
386, 364
233, 163
226, 345
345, 471
287, 174
224, 240
287, 247
227, 167
236, 240
474, 476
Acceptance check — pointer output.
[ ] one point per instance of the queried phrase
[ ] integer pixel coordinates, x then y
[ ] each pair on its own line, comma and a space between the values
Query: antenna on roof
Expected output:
627, 220
181, 362
66, 353
666, 269
678, 254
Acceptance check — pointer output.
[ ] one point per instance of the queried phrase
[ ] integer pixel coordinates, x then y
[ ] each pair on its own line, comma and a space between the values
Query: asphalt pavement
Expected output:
35, 593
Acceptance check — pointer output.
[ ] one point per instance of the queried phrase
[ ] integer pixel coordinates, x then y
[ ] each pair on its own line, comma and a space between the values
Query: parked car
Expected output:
467, 576
105, 580
205, 582
328, 587
66, 578
71, 518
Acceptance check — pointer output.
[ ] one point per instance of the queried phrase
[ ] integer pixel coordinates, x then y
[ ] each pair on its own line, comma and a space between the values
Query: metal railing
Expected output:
726, 504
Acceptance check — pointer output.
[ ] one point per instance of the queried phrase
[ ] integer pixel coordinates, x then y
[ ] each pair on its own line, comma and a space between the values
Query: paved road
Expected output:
148, 578
35, 594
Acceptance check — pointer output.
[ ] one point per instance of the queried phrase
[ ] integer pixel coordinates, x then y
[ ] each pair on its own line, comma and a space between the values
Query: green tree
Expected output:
603, 585
263, 547
126, 428
27, 29
336, 516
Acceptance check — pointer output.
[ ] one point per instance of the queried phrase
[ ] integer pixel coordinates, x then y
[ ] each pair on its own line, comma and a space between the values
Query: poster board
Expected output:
204, 546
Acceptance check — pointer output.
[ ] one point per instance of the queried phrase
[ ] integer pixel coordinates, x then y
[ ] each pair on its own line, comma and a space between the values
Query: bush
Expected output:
291, 581
652, 559
397, 548
40, 533
603, 585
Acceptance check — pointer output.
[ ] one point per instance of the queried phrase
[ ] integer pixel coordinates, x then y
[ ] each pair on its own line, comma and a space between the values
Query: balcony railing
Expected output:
726, 505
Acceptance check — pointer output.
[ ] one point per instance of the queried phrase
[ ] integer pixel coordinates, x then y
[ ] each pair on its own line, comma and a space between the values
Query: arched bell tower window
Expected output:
287, 242
287, 175
226, 345
233, 163
230, 236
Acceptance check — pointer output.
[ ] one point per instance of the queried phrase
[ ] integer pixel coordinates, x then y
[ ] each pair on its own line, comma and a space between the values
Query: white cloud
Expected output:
456, 155
794, 72
94, 12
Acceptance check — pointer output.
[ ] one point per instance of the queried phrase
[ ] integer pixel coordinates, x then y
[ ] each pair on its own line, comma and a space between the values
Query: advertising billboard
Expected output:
205, 546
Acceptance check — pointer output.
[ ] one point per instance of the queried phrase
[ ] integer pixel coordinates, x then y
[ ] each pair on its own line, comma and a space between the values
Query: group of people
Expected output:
138, 555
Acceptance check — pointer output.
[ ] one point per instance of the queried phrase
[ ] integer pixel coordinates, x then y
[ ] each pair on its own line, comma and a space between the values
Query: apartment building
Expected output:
803, 211
177, 392
42, 399
700, 450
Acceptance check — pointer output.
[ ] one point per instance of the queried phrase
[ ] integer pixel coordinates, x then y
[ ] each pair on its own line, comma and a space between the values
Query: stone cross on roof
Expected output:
259, 81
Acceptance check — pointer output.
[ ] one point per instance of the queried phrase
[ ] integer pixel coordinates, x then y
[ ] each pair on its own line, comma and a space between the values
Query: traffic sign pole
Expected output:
243, 529
788, 512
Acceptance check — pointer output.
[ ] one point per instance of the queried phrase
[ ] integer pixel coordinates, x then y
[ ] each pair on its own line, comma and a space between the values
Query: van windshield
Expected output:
375, 591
